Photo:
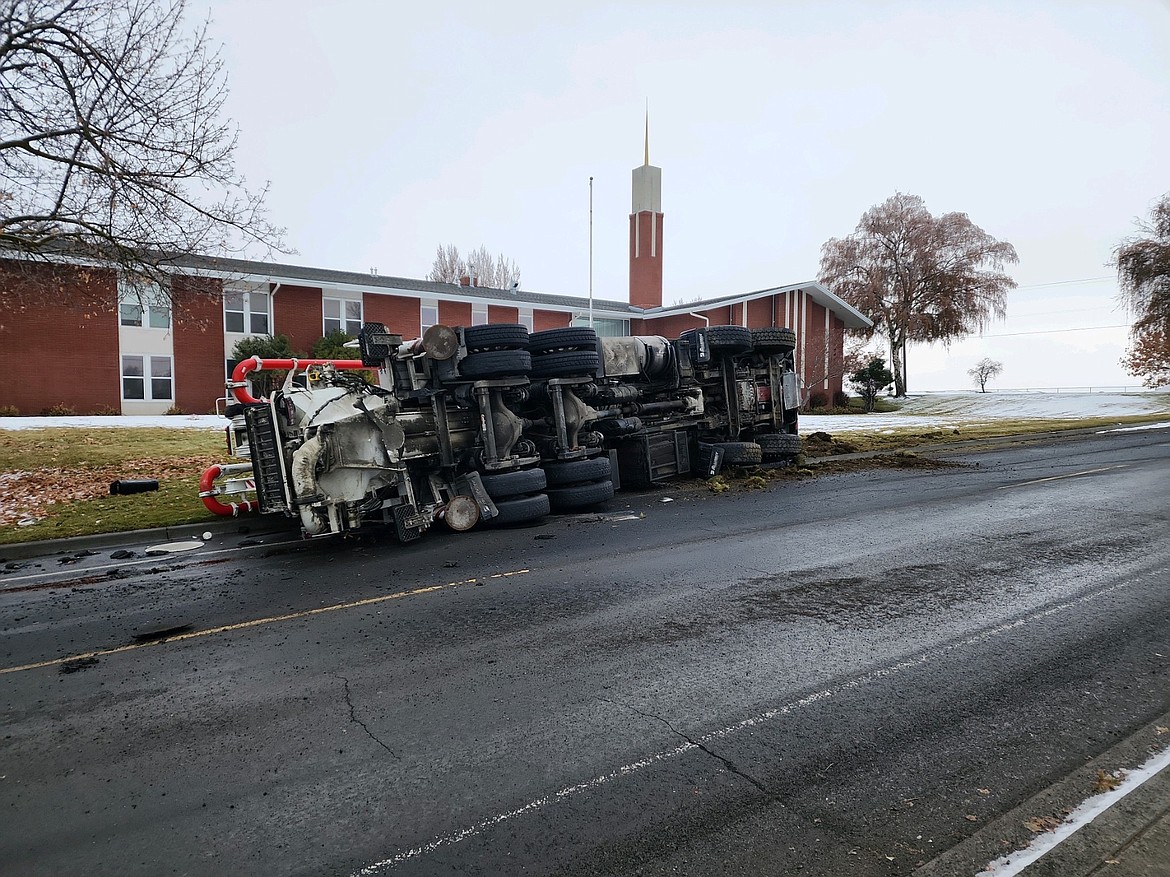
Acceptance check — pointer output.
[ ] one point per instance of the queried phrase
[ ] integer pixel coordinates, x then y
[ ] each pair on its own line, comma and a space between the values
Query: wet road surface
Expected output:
842, 676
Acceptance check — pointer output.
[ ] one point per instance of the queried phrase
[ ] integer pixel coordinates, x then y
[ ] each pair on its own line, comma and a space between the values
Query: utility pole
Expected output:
591, 252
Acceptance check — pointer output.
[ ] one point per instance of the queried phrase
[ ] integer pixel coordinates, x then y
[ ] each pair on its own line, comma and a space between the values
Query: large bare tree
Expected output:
919, 277
1143, 269
480, 266
113, 146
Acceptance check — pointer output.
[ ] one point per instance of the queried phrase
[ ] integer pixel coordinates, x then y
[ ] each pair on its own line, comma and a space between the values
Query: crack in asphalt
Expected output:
726, 762
353, 718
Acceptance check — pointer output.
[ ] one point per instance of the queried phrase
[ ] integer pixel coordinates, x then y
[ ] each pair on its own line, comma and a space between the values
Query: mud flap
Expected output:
409, 523
470, 485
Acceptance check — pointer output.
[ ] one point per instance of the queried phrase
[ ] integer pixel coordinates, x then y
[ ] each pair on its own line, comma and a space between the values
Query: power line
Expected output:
1055, 331
1067, 282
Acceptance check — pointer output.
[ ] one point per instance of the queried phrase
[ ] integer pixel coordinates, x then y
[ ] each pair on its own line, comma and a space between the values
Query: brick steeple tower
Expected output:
646, 233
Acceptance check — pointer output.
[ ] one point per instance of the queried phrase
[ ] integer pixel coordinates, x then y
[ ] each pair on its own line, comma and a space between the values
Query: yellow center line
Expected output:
1059, 477
258, 622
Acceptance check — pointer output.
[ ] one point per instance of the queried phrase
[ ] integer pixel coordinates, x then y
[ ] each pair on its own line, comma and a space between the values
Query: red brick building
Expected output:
114, 352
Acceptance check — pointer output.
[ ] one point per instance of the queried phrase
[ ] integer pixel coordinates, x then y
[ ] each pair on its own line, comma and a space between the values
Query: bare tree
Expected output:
113, 148
919, 277
1143, 269
983, 371
480, 267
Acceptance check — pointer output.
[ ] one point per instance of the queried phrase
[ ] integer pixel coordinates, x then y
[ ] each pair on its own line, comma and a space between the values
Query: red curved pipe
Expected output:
239, 386
207, 493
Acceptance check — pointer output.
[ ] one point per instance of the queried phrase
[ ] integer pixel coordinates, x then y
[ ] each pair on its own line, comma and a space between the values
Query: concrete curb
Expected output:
1008, 833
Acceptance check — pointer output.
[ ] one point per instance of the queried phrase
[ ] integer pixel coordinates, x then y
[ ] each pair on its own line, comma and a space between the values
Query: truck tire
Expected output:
569, 338
572, 471
496, 363
729, 339
565, 363
499, 336
579, 496
778, 445
769, 340
741, 453
521, 509
502, 485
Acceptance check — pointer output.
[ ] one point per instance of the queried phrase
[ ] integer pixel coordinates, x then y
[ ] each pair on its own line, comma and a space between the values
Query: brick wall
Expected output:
760, 312
197, 335
455, 313
399, 314
296, 312
71, 315
671, 327
646, 259
501, 314
542, 320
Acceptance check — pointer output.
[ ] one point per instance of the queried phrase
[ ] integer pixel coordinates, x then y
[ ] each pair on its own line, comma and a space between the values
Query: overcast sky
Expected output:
387, 129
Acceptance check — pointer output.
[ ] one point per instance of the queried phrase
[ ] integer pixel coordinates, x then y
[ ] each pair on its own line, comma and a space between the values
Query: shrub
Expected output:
9, 411
332, 346
175, 409
106, 411
58, 410
817, 399
840, 399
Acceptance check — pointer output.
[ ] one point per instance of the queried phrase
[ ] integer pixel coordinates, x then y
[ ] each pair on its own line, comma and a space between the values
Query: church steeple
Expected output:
646, 230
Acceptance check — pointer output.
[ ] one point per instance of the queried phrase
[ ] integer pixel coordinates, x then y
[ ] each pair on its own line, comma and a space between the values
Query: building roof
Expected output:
272, 272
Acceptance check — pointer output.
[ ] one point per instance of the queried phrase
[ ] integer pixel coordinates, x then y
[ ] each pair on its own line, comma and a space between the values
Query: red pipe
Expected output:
239, 386
207, 493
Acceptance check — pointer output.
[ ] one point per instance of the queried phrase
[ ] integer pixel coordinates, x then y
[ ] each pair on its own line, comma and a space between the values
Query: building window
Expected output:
428, 313
247, 312
342, 315
135, 382
479, 314
525, 318
605, 328
144, 306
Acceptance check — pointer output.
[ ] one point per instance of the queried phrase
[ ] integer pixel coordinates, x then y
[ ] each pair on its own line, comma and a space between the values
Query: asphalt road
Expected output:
842, 676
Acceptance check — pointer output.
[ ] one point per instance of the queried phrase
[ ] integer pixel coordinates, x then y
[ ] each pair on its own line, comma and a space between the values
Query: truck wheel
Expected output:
499, 336
569, 338
729, 339
524, 508
572, 471
565, 363
743, 453
778, 445
579, 496
502, 485
496, 363
769, 340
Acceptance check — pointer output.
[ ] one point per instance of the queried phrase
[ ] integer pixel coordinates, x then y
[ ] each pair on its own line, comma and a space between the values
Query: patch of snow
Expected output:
1164, 425
161, 421
956, 410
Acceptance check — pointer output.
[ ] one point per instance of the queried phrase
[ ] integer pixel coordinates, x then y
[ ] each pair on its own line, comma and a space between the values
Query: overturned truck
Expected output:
498, 425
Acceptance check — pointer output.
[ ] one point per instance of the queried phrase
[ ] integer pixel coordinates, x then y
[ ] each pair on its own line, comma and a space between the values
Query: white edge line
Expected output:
1059, 477
431, 846
1090, 809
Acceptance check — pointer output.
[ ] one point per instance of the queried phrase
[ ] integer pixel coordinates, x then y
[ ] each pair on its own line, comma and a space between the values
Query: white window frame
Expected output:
425, 305
342, 321
151, 303
479, 313
248, 311
525, 318
148, 365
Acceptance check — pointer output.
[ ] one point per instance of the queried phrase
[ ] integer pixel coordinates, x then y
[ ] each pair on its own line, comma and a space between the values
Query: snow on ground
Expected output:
954, 410
165, 421
925, 411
